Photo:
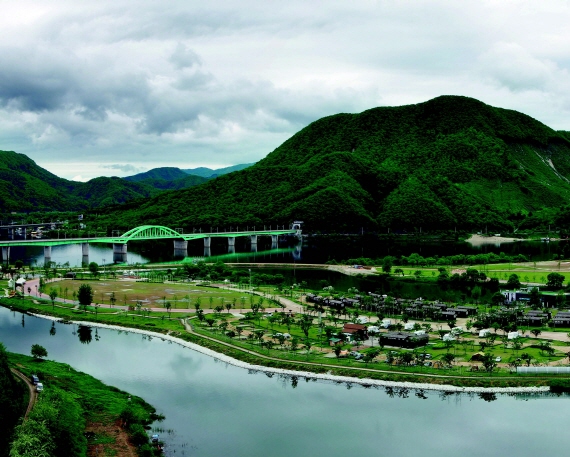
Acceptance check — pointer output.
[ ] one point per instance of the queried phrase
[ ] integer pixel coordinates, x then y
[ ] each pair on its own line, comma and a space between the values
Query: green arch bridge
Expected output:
147, 232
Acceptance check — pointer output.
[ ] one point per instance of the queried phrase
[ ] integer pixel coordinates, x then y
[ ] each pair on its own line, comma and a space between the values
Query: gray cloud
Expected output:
125, 168
222, 83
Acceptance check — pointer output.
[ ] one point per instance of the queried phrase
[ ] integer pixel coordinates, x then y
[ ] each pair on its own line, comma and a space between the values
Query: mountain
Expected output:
163, 173
167, 178
25, 186
210, 173
445, 163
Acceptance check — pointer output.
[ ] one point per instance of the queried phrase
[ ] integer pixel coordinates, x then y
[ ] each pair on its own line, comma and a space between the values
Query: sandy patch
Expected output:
480, 240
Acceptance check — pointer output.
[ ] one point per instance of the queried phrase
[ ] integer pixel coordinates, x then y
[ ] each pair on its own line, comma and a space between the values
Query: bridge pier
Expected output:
207, 252
231, 240
180, 244
231, 249
119, 253
47, 254
180, 248
6, 254
85, 249
253, 239
207, 242
274, 241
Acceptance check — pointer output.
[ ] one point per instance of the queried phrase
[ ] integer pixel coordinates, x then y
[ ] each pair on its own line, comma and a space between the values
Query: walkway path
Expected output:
31, 388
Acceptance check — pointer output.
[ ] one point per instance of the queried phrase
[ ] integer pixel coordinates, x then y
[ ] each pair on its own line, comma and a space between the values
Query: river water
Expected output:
289, 250
214, 409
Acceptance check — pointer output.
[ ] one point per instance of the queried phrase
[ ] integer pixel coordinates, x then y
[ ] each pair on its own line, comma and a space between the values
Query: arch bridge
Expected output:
145, 233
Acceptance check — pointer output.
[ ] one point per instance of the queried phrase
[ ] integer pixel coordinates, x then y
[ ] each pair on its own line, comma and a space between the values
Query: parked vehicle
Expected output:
35, 379
39, 387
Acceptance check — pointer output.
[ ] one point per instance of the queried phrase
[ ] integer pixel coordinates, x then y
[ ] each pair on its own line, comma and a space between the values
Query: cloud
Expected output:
223, 83
184, 57
514, 67
125, 168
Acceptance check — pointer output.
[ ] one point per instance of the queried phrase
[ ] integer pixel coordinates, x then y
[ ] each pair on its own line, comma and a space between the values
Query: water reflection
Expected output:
280, 415
84, 333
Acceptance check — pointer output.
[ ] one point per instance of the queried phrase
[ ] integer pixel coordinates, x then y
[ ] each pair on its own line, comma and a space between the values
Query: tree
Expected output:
536, 332
513, 282
489, 361
476, 293
448, 358
94, 268
497, 299
555, 280
38, 352
52, 296
85, 295
534, 298
168, 306
387, 264
113, 299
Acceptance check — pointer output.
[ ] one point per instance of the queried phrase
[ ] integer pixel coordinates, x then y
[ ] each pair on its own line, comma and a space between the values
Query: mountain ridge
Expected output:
449, 162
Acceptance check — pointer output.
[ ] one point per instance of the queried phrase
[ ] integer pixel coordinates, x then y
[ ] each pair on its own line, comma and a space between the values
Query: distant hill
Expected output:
167, 178
210, 173
449, 162
164, 173
25, 186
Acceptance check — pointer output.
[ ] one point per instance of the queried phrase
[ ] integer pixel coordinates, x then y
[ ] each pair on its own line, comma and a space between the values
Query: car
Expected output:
353, 353
498, 359
427, 356
358, 356
35, 379
428, 364
39, 387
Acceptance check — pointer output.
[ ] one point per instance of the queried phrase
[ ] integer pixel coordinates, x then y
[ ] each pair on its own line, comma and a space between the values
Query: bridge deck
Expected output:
124, 239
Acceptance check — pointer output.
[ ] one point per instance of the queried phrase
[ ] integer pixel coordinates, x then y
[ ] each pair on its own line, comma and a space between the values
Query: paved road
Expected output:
31, 388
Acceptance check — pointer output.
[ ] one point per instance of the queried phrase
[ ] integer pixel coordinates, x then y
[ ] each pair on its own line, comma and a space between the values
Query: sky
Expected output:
113, 88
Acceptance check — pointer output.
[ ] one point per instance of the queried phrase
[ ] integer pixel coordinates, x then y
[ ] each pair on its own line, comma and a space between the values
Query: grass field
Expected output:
180, 296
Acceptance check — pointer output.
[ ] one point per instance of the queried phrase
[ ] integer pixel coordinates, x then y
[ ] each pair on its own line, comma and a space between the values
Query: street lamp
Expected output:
250, 279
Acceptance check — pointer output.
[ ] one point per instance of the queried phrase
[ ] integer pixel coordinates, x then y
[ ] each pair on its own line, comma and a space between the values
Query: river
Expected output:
214, 409
310, 250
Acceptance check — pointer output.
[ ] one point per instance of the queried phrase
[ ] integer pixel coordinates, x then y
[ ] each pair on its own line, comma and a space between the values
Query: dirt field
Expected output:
128, 292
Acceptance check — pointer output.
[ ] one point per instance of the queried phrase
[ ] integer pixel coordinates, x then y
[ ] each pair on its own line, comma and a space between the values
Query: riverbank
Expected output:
361, 376
113, 424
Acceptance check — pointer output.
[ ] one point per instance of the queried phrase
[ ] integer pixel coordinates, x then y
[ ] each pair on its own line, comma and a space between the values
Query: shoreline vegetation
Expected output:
257, 361
78, 415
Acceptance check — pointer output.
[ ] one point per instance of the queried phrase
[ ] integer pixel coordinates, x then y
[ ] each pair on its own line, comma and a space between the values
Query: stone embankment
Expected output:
318, 376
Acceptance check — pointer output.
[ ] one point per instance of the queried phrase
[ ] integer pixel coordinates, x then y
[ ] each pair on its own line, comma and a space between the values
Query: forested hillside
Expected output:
12, 396
212, 173
167, 178
25, 186
449, 162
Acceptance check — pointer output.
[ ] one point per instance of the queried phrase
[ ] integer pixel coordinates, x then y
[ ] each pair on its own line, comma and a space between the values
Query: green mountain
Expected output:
25, 186
167, 178
449, 162
211, 173
163, 173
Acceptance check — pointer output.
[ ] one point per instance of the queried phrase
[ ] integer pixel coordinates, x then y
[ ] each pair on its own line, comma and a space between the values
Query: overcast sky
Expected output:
91, 88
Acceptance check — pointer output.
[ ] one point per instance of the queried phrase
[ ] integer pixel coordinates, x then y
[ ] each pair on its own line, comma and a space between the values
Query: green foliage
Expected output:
57, 420
38, 352
555, 280
11, 401
85, 295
